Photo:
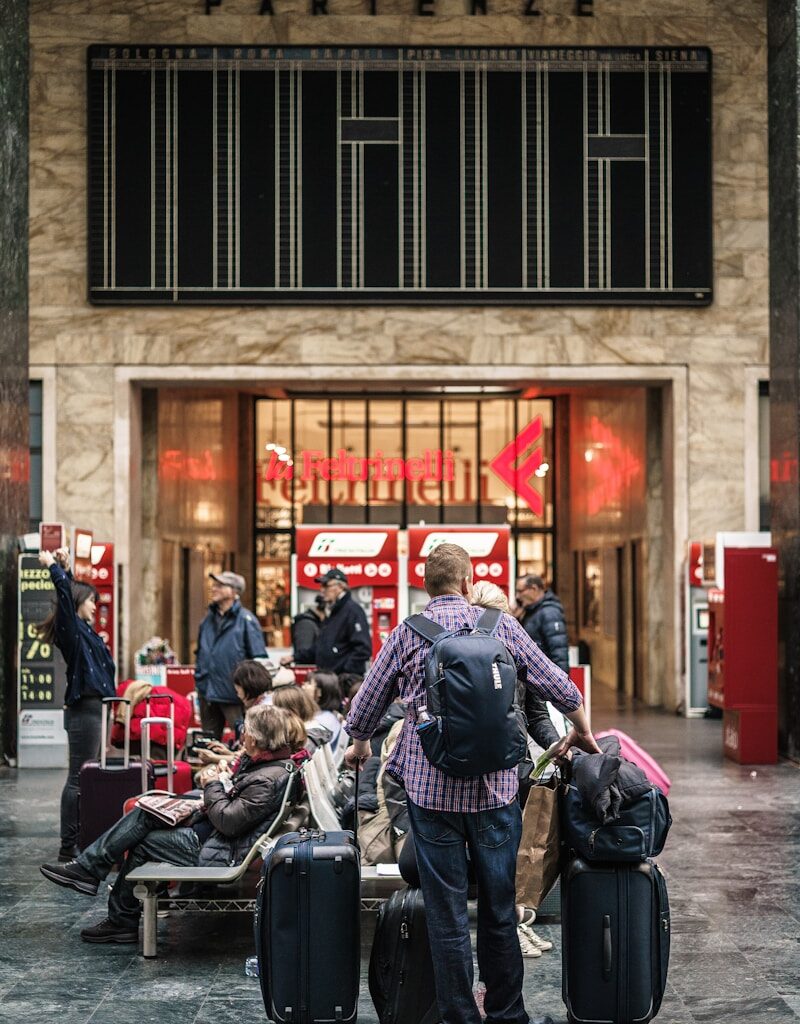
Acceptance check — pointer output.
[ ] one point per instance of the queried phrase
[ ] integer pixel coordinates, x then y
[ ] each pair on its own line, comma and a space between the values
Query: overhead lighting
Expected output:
588, 455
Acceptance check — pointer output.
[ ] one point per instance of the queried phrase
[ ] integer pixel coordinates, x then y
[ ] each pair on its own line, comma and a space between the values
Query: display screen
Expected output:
399, 175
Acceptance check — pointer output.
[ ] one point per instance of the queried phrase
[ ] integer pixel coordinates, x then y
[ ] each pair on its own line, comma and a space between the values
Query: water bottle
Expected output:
423, 718
251, 967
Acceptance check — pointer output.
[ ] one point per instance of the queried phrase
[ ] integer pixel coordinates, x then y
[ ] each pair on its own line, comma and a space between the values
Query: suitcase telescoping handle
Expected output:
169, 725
607, 948
107, 712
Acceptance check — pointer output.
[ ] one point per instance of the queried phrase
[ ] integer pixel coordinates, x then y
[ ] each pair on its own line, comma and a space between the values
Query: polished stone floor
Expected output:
732, 862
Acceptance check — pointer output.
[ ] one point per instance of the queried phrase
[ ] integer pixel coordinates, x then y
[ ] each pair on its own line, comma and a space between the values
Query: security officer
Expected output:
344, 643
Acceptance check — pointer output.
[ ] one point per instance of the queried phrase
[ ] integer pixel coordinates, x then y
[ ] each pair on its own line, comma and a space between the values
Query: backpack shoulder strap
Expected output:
425, 627
489, 621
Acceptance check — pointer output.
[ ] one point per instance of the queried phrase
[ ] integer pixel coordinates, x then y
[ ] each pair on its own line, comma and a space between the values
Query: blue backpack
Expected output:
476, 726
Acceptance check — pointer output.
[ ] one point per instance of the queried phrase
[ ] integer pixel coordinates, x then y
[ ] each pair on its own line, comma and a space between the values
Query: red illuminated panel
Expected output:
359, 543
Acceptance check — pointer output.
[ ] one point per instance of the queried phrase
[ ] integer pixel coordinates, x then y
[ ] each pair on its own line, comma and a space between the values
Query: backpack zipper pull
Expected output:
591, 839
404, 930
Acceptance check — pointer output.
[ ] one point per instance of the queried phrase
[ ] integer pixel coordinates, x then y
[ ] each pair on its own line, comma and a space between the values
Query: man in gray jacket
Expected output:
229, 633
238, 806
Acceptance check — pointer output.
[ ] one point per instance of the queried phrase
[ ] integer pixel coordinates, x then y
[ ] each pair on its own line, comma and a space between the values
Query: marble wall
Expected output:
13, 334
711, 348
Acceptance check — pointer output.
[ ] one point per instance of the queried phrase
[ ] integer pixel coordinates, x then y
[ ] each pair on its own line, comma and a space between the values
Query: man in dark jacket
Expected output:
305, 632
238, 807
543, 620
228, 634
344, 643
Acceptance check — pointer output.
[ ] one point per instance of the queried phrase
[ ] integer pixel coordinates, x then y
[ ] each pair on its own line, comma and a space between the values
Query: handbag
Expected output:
538, 859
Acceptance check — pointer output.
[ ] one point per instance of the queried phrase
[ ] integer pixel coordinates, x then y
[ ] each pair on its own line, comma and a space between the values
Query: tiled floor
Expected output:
732, 862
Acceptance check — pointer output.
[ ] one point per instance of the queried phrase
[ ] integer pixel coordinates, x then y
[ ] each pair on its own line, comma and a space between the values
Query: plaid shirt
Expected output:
398, 672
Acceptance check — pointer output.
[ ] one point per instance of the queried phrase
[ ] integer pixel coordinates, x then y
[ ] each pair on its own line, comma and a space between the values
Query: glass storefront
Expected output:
398, 460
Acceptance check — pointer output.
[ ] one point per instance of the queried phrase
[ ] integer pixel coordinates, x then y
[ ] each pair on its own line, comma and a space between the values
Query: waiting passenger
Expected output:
327, 693
298, 700
221, 832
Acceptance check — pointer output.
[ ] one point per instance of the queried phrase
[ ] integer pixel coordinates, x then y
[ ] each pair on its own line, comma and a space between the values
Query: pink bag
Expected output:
631, 751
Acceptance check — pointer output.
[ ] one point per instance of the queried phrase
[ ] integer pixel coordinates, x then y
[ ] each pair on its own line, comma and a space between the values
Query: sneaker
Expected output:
528, 948
526, 916
72, 876
537, 940
107, 931
67, 853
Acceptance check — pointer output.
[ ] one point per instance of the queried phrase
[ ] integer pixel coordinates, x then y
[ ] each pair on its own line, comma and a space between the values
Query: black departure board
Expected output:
453, 175
42, 671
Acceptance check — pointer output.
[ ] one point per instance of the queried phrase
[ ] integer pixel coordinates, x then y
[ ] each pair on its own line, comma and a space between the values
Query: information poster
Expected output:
41, 673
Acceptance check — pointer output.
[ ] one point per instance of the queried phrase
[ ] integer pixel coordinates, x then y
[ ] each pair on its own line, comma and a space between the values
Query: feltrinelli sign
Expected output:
426, 478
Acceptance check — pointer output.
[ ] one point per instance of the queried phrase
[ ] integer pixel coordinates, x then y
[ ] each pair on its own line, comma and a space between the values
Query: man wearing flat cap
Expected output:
228, 634
344, 643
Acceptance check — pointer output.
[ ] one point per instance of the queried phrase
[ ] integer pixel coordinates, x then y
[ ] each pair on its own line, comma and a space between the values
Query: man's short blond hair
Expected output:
447, 566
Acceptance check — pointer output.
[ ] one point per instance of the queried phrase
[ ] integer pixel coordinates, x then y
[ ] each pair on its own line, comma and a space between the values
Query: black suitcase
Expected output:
308, 928
105, 785
400, 968
615, 941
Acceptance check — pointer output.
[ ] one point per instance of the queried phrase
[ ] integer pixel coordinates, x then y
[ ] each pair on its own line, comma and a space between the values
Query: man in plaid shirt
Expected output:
451, 815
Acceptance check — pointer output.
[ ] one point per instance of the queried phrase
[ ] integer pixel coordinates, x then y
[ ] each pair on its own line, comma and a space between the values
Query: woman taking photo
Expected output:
90, 677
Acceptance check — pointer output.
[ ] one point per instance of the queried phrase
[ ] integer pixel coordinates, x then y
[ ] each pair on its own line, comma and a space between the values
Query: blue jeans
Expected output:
83, 723
441, 839
143, 838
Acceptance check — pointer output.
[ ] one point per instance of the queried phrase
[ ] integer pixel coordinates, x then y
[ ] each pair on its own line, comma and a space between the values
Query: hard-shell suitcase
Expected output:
400, 967
105, 785
150, 769
631, 751
171, 776
615, 950
307, 926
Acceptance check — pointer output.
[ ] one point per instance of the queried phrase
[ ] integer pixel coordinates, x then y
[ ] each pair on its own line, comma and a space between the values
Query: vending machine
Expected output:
102, 579
367, 555
697, 617
489, 548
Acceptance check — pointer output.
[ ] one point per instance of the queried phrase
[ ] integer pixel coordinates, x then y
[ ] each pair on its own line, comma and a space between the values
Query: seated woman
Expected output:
298, 700
253, 685
147, 700
327, 694
238, 806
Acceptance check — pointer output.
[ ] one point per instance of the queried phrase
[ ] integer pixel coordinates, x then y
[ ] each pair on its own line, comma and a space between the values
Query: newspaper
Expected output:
171, 810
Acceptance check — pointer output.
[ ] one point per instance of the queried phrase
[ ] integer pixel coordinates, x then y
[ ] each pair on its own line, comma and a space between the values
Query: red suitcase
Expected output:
171, 776
105, 785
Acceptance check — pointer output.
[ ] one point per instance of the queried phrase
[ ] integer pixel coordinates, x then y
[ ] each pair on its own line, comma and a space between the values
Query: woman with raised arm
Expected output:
90, 677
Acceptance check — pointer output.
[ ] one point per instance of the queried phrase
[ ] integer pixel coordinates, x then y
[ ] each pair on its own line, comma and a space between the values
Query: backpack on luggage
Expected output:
105, 785
631, 751
308, 928
615, 942
401, 979
476, 726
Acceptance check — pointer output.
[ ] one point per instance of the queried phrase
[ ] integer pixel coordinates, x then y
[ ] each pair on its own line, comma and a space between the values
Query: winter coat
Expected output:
305, 631
545, 624
220, 648
244, 814
607, 782
158, 709
344, 643
90, 667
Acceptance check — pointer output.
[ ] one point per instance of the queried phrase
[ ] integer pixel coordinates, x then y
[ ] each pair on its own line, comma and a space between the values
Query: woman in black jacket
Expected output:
239, 805
90, 677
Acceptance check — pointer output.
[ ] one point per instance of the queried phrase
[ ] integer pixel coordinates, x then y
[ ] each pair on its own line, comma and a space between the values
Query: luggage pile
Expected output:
614, 906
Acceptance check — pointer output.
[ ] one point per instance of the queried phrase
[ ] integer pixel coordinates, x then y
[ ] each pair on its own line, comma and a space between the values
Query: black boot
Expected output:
71, 876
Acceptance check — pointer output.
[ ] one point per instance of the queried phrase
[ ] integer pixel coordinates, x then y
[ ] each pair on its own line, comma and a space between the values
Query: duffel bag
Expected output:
639, 831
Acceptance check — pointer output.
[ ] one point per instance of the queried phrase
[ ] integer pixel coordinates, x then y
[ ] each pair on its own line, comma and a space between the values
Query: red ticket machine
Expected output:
487, 546
367, 555
102, 579
743, 654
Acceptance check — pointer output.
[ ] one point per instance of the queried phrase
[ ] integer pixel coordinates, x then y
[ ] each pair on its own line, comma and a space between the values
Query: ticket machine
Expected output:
489, 548
367, 555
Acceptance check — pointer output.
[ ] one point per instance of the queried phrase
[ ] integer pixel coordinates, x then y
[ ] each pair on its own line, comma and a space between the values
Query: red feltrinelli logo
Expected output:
517, 475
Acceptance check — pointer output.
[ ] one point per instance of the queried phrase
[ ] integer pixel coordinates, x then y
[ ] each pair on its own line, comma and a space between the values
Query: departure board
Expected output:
399, 175
42, 672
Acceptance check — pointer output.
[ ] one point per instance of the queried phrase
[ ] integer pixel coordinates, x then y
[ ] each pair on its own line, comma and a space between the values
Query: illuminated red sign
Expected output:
487, 547
175, 464
367, 556
433, 464
423, 477
518, 477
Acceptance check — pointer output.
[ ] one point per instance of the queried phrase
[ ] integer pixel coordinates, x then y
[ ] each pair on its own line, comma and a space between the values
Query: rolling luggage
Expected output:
631, 751
105, 785
400, 967
147, 782
308, 928
615, 941
171, 776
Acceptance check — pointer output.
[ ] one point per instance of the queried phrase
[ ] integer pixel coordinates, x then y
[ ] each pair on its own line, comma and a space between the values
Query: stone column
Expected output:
784, 264
13, 332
